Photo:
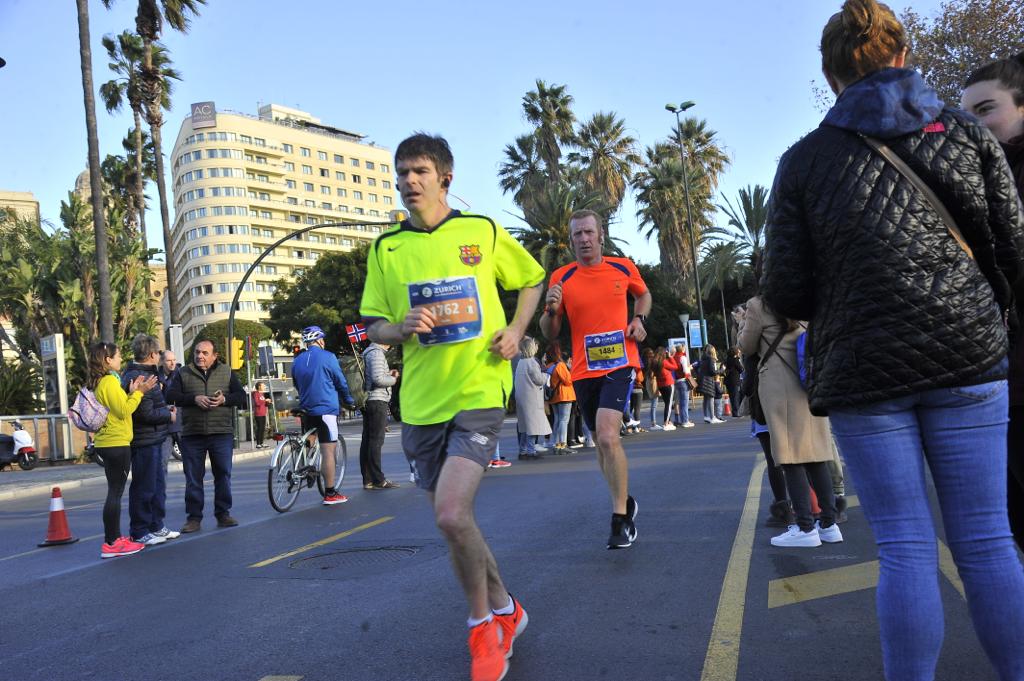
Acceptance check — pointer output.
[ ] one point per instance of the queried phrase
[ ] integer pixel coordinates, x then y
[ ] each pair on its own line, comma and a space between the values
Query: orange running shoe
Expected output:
511, 626
487, 653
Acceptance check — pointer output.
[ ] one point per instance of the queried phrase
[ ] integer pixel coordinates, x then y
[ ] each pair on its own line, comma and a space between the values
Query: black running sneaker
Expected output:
623, 533
631, 508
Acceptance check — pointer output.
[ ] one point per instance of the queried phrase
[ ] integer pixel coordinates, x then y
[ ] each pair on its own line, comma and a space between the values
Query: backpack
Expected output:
803, 363
87, 413
550, 387
352, 368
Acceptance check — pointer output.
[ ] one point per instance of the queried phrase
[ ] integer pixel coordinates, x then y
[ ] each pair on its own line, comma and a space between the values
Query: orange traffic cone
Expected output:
728, 407
58, 532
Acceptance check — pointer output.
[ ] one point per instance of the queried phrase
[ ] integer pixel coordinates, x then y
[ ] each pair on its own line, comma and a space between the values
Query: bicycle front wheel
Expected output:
282, 485
340, 461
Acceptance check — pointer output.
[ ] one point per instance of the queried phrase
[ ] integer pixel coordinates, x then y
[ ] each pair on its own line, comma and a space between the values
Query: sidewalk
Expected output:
16, 483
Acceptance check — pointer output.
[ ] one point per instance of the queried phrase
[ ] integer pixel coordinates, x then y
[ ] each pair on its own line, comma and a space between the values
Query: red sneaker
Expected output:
485, 649
499, 463
511, 626
122, 546
332, 499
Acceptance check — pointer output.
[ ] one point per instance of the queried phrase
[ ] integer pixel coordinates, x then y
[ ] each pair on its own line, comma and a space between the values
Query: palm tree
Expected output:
724, 262
549, 109
149, 23
126, 56
547, 236
747, 222
106, 321
607, 156
522, 171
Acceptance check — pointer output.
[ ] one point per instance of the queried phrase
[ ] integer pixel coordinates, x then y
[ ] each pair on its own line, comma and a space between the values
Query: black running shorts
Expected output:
610, 391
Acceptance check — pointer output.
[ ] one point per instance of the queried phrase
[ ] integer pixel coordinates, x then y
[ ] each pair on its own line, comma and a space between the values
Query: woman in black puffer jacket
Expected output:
908, 336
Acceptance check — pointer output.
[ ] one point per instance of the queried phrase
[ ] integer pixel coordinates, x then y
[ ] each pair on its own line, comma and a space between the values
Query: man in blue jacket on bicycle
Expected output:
319, 381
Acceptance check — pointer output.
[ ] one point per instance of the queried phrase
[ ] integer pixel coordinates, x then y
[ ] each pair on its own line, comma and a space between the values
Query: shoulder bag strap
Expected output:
904, 169
771, 349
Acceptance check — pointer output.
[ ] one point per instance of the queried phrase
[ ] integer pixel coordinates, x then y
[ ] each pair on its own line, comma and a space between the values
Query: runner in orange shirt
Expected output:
592, 294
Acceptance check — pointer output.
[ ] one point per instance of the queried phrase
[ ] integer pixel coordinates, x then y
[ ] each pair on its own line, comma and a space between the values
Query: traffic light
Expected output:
237, 353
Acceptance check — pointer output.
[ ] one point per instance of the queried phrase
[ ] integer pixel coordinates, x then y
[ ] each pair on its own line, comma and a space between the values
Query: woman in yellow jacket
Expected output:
113, 441
562, 397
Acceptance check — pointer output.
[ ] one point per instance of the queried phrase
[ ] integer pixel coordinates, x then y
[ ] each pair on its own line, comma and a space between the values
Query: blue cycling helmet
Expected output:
311, 334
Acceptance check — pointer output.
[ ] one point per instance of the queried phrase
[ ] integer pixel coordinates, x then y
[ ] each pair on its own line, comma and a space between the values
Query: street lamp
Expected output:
689, 218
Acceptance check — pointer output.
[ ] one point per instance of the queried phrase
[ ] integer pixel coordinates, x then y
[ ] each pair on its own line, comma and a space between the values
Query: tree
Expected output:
663, 322
724, 263
963, 36
106, 321
746, 226
20, 383
149, 22
327, 294
549, 110
607, 156
217, 333
522, 171
126, 57
547, 235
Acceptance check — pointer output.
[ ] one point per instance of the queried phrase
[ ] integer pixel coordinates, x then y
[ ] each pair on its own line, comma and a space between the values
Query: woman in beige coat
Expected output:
801, 443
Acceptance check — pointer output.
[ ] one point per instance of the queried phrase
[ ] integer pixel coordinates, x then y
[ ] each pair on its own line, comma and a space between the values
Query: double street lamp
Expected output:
678, 109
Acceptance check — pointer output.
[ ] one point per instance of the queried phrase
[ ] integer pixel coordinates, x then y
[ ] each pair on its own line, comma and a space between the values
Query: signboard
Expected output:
674, 342
696, 337
204, 115
266, 361
54, 379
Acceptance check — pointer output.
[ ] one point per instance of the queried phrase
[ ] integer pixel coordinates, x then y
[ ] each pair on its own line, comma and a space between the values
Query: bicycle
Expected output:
295, 464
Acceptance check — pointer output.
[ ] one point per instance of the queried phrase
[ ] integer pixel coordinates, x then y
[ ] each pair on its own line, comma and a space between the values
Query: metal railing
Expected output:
55, 440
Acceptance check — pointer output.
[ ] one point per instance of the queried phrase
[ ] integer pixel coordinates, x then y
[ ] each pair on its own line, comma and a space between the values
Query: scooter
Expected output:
18, 448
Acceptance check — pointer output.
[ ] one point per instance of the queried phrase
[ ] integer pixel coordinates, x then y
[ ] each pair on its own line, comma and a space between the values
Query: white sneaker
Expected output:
589, 443
668, 426
167, 533
689, 424
540, 448
657, 427
830, 534
150, 539
794, 537
707, 420
632, 423
716, 420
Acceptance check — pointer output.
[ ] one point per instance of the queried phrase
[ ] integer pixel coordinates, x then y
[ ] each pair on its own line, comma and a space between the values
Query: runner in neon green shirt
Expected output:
432, 285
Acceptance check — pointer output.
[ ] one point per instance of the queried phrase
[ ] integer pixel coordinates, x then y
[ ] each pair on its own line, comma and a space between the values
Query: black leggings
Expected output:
261, 429
117, 461
776, 478
666, 399
800, 477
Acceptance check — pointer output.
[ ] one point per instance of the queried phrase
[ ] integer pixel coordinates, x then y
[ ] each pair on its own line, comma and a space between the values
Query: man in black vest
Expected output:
205, 391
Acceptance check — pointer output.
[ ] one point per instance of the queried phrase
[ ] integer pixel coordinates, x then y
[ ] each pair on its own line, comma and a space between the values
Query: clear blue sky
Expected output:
455, 68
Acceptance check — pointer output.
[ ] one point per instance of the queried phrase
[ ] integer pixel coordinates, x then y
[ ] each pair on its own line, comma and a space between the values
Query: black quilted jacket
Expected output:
896, 306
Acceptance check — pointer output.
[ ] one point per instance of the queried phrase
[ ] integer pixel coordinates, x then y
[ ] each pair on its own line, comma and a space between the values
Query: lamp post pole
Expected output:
689, 218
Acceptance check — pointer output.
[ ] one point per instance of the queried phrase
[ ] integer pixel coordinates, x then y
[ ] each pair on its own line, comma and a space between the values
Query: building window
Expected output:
331, 240
357, 179
307, 170
342, 192
321, 155
286, 148
342, 209
371, 182
324, 189
290, 184
245, 139
310, 203
387, 200
260, 142
354, 162
385, 184
308, 186
338, 158
324, 172
369, 165
358, 196
375, 213
385, 168
296, 253
357, 210
289, 166
339, 176
304, 151
326, 206
372, 198
294, 218
293, 201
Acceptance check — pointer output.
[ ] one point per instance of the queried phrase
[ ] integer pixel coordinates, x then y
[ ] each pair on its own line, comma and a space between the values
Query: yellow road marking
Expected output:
948, 568
722, 659
822, 584
847, 579
323, 542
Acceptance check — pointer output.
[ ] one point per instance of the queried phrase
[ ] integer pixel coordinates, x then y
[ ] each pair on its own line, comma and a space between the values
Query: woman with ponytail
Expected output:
113, 441
995, 94
908, 341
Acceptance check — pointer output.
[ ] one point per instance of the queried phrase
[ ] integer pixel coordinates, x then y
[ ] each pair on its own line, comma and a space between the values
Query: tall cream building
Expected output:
242, 182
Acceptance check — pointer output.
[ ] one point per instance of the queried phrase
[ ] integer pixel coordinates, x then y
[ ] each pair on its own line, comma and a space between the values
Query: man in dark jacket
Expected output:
168, 367
147, 495
204, 392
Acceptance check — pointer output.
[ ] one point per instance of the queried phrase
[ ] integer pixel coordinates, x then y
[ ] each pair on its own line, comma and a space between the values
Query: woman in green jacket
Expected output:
113, 441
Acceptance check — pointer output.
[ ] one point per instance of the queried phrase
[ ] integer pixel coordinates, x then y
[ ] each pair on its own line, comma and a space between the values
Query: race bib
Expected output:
605, 350
456, 304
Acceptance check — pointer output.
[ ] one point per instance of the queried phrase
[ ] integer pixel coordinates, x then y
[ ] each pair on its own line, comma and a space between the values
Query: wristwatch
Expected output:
642, 318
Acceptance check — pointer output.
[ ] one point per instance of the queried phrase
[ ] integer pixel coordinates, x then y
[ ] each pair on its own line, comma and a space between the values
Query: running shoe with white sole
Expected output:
623, 532
830, 534
795, 537
150, 539
122, 546
511, 626
167, 533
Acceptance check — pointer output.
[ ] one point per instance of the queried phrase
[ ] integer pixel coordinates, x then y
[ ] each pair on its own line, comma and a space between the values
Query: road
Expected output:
365, 591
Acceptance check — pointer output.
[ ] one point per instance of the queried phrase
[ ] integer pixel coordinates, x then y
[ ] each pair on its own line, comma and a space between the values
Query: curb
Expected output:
46, 487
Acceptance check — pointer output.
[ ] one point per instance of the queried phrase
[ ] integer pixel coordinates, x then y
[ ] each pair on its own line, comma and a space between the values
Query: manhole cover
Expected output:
358, 557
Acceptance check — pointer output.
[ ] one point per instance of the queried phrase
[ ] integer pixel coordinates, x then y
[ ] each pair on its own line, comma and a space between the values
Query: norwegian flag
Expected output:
356, 332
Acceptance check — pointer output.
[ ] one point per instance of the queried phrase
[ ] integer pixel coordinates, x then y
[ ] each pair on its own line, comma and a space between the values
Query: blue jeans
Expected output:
561, 429
683, 397
148, 491
193, 463
709, 407
526, 444
960, 433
